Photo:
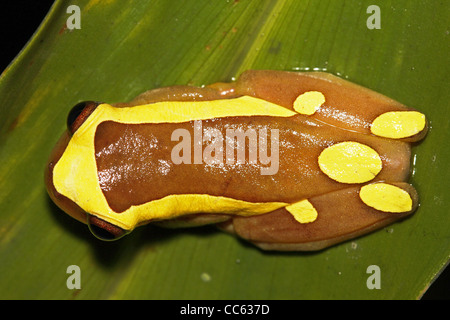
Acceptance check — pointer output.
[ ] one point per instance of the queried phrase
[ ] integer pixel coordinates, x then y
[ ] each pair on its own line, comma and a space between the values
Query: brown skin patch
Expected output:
135, 166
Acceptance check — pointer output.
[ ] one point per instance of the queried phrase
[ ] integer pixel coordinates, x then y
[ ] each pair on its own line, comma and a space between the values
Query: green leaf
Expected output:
122, 50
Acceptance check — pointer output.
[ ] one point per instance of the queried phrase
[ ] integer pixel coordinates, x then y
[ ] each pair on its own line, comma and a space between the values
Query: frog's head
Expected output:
99, 227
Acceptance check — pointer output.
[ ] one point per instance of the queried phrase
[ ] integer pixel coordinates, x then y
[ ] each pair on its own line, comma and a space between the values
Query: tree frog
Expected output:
292, 161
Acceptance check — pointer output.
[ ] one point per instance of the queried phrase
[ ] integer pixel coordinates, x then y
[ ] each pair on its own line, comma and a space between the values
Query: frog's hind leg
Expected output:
327, 219
326, 98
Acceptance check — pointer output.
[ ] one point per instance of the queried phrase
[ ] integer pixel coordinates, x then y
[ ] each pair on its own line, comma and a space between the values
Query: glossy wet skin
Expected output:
307, 207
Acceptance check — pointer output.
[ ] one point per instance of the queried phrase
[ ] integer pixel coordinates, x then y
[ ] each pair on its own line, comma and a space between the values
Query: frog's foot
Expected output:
327, 219
326, 98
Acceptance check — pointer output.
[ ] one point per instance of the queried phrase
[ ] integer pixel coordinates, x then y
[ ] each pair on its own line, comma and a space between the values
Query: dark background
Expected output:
19, 20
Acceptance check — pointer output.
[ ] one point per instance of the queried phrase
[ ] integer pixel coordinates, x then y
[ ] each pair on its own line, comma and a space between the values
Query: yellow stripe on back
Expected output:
75, 174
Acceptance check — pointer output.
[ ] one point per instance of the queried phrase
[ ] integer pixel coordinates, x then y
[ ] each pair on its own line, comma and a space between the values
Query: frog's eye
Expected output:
79, 113
104, 230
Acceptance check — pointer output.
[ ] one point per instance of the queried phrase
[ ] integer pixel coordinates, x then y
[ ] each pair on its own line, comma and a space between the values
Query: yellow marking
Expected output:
308, 102
75, 174
386, 197
303, 211
183, 111
398, 124
350, 162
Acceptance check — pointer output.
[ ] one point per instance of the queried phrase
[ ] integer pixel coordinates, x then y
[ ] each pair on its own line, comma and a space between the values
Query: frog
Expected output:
285, 160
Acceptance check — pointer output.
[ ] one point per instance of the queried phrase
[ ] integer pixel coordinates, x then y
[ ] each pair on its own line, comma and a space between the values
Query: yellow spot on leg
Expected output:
386, 197
308, 102
303, 211
398, 124
350, 162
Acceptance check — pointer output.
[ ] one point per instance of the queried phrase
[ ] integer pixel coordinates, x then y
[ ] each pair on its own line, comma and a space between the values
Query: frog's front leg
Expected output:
324, 220
332, 100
